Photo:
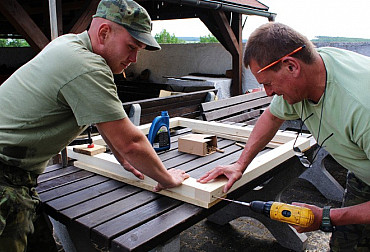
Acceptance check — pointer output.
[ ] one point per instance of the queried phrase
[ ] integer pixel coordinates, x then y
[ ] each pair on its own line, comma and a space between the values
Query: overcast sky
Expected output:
335, 18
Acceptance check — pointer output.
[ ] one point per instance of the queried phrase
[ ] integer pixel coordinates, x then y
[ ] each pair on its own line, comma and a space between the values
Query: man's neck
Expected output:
316, 79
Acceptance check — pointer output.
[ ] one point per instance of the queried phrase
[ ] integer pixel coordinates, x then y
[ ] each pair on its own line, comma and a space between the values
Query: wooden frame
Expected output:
191, 191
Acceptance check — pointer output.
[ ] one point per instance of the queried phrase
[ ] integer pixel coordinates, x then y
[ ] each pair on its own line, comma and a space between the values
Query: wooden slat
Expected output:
107, 231
220, 113
190, 162
242, 117
113, 210
91, 205
56, 173
215, 127
80, 196
208, 106
145, 236
73, 187
57, 182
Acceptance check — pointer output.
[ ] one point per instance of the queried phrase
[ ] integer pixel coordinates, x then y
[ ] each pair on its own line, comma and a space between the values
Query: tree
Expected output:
164, 37
208, 39
13, 43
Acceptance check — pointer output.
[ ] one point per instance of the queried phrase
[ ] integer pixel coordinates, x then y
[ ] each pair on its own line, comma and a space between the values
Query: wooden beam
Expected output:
236, 26
191, 191
215, 128
21, 21
85, 19
209, 21
227, 32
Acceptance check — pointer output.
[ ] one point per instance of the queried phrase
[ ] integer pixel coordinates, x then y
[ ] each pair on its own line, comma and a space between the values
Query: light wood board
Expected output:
191, 191
91, 151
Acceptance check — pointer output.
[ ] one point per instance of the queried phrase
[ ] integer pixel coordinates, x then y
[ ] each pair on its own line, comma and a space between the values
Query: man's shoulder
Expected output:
74, 51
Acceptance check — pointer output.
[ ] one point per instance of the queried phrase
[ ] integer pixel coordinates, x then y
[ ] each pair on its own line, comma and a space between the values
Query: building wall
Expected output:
182, 59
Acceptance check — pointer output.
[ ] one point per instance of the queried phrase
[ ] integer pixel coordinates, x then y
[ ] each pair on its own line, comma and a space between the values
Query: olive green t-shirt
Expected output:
50, 100
346, 110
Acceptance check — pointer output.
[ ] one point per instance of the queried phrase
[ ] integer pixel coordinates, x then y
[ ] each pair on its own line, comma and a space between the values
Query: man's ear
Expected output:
103, 32
292, 65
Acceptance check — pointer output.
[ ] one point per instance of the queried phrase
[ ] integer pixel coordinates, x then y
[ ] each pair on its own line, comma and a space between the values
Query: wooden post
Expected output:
236, 26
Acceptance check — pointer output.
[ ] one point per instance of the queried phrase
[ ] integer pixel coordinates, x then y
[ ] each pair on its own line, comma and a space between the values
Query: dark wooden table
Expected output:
103, 214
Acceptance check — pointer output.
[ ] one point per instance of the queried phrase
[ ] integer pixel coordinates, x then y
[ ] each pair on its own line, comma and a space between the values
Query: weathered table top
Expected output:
103, 213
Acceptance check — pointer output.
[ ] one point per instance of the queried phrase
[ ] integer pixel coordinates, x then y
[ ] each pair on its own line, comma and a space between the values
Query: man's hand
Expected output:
178, 177
130, 168
232, 172
317, 211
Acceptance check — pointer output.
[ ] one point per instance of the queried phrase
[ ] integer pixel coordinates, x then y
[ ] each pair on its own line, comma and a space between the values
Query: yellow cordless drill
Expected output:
283, 212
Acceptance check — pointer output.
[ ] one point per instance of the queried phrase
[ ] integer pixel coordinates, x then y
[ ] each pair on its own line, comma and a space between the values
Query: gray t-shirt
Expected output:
50, 100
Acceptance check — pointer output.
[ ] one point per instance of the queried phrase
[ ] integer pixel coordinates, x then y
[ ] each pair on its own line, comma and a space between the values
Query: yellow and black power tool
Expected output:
295, 215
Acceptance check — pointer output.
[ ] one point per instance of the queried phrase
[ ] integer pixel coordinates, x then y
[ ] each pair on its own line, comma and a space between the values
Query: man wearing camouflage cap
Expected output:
52, 99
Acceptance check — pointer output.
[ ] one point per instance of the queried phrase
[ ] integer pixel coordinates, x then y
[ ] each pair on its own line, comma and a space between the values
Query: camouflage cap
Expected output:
132, 16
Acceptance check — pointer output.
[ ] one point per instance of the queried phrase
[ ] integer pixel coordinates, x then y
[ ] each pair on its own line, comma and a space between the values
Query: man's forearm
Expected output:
264, 130
128, 143
358, 214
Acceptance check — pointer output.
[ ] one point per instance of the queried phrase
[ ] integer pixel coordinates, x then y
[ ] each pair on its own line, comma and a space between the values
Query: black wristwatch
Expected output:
326, 225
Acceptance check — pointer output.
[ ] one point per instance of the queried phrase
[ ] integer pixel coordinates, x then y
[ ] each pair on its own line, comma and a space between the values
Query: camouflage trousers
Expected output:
352, 237
21, 227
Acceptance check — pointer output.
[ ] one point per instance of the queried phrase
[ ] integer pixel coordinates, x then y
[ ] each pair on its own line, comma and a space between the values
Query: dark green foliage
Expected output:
13, 43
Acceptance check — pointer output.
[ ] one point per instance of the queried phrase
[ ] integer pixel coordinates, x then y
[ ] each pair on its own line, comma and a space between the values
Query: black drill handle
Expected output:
261, 207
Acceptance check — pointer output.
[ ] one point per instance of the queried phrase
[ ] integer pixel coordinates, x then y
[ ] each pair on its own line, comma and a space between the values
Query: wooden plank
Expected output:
113, 210
190, 162
57, 173
73, 187
59, 181
242, 117
110, 168
93, 204
191, 191
82, 195
107, 231
220, 113
144, 237
214, 127
84, 149
271, 144
208, 106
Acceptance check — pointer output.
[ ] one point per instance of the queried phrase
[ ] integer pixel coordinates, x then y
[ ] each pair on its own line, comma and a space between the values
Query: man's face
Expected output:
279, 83
121, 49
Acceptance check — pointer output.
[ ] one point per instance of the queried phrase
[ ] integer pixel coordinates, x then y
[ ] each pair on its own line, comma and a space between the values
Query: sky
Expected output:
334, 18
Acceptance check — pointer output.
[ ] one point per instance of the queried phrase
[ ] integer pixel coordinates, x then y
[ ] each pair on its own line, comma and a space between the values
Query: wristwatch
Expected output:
326, 225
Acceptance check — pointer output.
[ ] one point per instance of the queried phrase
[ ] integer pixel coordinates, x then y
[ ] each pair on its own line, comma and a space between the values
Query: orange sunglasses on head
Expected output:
277, 61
